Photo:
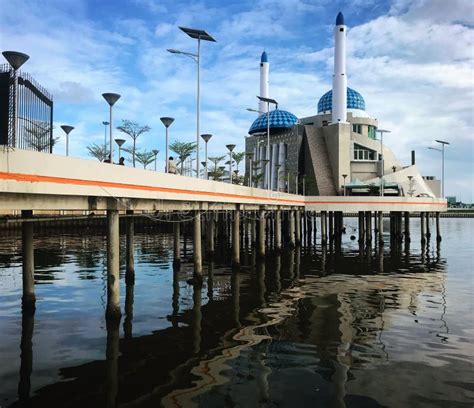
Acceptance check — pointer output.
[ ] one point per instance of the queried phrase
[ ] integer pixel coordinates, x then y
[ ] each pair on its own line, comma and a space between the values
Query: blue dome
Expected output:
354, 101
279, 119
264, 57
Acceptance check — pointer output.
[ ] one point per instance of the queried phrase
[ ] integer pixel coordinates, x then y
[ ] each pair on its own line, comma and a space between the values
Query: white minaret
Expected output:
264, 69
339, 81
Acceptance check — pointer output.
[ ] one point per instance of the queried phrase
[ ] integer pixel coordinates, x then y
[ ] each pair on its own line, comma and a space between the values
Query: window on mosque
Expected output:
362, 153
372, 132
357, 129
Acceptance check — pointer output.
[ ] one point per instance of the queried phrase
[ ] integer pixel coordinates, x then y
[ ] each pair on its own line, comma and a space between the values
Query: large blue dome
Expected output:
279, 119
354, 101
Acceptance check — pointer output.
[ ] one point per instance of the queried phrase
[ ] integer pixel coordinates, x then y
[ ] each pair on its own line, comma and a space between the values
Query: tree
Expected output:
134, 130
145, 158
183, 150
38, 137
216, 173
238, 157
100, 152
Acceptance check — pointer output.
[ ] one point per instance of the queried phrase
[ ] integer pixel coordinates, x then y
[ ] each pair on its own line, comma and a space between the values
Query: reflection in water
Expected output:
307, 327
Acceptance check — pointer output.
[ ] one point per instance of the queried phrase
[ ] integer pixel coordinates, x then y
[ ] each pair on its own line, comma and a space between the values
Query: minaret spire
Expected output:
339, 82
264, 70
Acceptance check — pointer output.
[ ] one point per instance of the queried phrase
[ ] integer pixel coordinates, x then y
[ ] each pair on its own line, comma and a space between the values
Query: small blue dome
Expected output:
279, 119
340, 19
354, 101
264, 57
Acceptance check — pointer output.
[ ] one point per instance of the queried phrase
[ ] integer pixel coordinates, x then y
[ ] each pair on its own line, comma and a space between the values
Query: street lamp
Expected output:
206, 137
119, 142
16, 60
250, 157
105, 123
268, 101
155, 152
167, 121
198, 35
344, 177
67, 129
230, 147
111, 98
382, 131
443, 143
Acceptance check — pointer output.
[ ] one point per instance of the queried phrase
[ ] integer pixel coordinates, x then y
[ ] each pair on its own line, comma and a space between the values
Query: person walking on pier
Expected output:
121, 161
171, 165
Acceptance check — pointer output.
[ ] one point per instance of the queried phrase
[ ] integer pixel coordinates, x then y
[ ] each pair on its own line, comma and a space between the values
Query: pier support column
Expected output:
422, 228
277, 228
113, 265
324, 228
130, 223
407, 226
309, 227
261, 233
253, 228
438, 230
27, 248
197, 245
428, 232
368, 227
236, 237
380, 227
297, 214
291, 228
176, 243
331, 226
361, 227
211, 231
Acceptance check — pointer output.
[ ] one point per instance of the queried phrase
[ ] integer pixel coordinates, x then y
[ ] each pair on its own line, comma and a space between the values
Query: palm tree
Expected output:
38, 137
183, 150
216, 173
134, 130
100, 152
238, 157
144, 157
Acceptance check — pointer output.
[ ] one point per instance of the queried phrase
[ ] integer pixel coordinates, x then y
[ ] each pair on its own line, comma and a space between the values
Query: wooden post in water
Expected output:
277, 229
261, 233
130, 237
211, 231
297, 214
28, 262
422, 227
438, 230
331, 226
368, 227
309, 227
427, 217
361, 227
324, 226
236, 237
380, 227
113, 265
253, 229
407, 226
291, 228
176, 241
197, 245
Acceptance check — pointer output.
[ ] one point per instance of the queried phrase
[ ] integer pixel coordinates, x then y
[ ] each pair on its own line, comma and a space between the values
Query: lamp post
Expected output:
119, 142
198, 35
206, 137
230, 147
443, 143
16, 60
344, 177
167, 121
155, 152
382, 131
67, 129
268, 101
105, 123
111, 98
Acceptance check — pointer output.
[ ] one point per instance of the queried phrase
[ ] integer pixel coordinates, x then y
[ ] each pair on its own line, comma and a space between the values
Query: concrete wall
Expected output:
338, 138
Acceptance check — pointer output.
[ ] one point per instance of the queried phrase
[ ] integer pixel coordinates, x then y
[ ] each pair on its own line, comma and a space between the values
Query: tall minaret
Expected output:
264, 68
339, 81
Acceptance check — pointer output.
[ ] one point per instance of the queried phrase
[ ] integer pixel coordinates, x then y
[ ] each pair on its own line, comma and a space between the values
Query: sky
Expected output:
412, 60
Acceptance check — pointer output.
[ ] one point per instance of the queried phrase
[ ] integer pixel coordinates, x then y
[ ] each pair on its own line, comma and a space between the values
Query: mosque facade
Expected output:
334, 152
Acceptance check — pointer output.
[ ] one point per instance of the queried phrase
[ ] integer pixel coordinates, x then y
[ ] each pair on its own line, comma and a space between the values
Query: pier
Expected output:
32, 183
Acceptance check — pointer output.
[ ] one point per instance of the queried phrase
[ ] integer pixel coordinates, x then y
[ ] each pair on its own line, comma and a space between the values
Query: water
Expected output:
307, 328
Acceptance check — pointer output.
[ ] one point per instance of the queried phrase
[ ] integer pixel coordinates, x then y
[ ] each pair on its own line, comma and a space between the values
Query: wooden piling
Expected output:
28, 262
361, 227
176, 240
438, 230
277, 229
113, 265
236, 237
211, 228
368, 227
324, 230
197, 245
297, 214
291, 229
427, 218
380, 227
130, 237
422, 227
331, 225
261, 233
407, 227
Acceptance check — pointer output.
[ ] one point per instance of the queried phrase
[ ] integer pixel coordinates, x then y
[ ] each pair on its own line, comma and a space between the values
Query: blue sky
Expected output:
412, 60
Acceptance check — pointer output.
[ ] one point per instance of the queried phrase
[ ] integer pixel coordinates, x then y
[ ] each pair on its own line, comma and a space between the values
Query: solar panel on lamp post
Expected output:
167, 121
206, 137
268, 101
67, 129
16, 60
230, 147
382, 131
111, 98
198, 35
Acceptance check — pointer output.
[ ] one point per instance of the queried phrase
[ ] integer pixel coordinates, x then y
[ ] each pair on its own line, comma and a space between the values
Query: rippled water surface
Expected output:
304, 328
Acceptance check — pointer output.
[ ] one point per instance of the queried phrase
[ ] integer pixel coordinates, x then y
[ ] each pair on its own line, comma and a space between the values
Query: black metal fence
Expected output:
34, 112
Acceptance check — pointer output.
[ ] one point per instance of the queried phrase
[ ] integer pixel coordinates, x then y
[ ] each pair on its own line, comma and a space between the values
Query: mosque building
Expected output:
332, 152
